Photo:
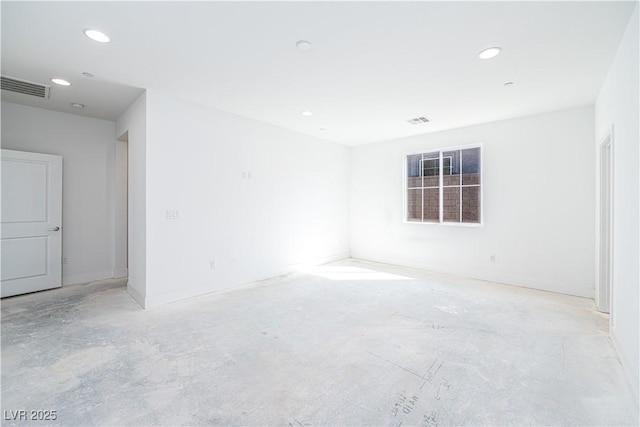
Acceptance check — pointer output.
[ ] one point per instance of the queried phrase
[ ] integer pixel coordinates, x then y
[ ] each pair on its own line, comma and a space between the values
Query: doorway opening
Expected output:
121, 206
605, 279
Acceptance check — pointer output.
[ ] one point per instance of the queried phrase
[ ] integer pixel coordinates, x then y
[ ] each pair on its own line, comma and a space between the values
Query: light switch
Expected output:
174, 214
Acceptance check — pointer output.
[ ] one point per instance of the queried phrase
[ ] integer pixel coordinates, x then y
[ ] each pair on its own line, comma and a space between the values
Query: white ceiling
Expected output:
372, 65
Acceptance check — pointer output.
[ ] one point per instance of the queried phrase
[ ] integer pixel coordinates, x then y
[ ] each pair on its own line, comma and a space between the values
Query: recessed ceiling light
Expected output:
303, 45
61, 82
307, 113
87, 74
97, 36
489, 52
77, 105
508, 84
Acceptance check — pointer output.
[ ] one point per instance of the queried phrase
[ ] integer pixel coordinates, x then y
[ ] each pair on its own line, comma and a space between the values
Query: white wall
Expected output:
617, 107
538, 205
294, 209
134, 123
87, 147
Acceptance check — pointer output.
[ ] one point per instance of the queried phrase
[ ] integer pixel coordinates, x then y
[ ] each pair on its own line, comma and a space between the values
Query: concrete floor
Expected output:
349, 344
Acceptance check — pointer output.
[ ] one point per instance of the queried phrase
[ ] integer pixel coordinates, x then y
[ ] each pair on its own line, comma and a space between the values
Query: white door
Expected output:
31, 236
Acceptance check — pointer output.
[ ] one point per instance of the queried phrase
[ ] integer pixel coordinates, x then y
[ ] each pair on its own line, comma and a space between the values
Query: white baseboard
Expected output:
334, 258
317, 261
151, 301
121, 272
86, 278
137, 296
634, 381
498, 278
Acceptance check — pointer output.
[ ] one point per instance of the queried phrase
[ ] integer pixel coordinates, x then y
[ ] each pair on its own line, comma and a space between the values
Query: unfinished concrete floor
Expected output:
350, 344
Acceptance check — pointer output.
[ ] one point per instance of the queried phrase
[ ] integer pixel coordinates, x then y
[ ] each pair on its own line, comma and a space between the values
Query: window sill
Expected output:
447, 224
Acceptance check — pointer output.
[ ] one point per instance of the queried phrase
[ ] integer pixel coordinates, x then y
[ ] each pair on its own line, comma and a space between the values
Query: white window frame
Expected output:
441, 158
441, 186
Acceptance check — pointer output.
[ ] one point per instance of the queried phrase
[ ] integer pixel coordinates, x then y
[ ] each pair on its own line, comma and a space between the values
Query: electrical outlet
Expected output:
492, 258
212, 264
65, 260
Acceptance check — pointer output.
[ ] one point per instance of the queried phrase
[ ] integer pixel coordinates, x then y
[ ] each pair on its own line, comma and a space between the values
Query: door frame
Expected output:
605, 288
121, 206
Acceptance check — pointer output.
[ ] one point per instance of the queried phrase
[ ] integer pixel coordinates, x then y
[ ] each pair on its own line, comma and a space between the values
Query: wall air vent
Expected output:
25, 87
418, 121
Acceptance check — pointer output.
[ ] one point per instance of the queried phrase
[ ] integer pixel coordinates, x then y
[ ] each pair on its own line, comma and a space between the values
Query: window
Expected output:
430, 167
444, 186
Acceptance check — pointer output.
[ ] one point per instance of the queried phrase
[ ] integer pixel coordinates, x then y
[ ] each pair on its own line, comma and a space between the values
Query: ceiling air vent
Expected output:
25, 87
418, 121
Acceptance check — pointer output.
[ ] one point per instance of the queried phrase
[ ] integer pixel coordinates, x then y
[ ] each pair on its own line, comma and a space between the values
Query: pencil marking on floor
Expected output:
431, 373
396, 365
299, 424
404, 403
430, 420
442, 387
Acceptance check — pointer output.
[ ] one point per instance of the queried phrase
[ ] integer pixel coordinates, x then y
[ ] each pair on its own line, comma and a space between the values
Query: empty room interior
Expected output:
320, 213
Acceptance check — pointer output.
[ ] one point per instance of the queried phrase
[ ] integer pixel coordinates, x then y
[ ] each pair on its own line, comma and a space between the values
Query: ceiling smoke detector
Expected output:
303, 44
25, 87
418, 121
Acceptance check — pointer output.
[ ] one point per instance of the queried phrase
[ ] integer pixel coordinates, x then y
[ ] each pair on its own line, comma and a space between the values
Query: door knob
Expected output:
53, 229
